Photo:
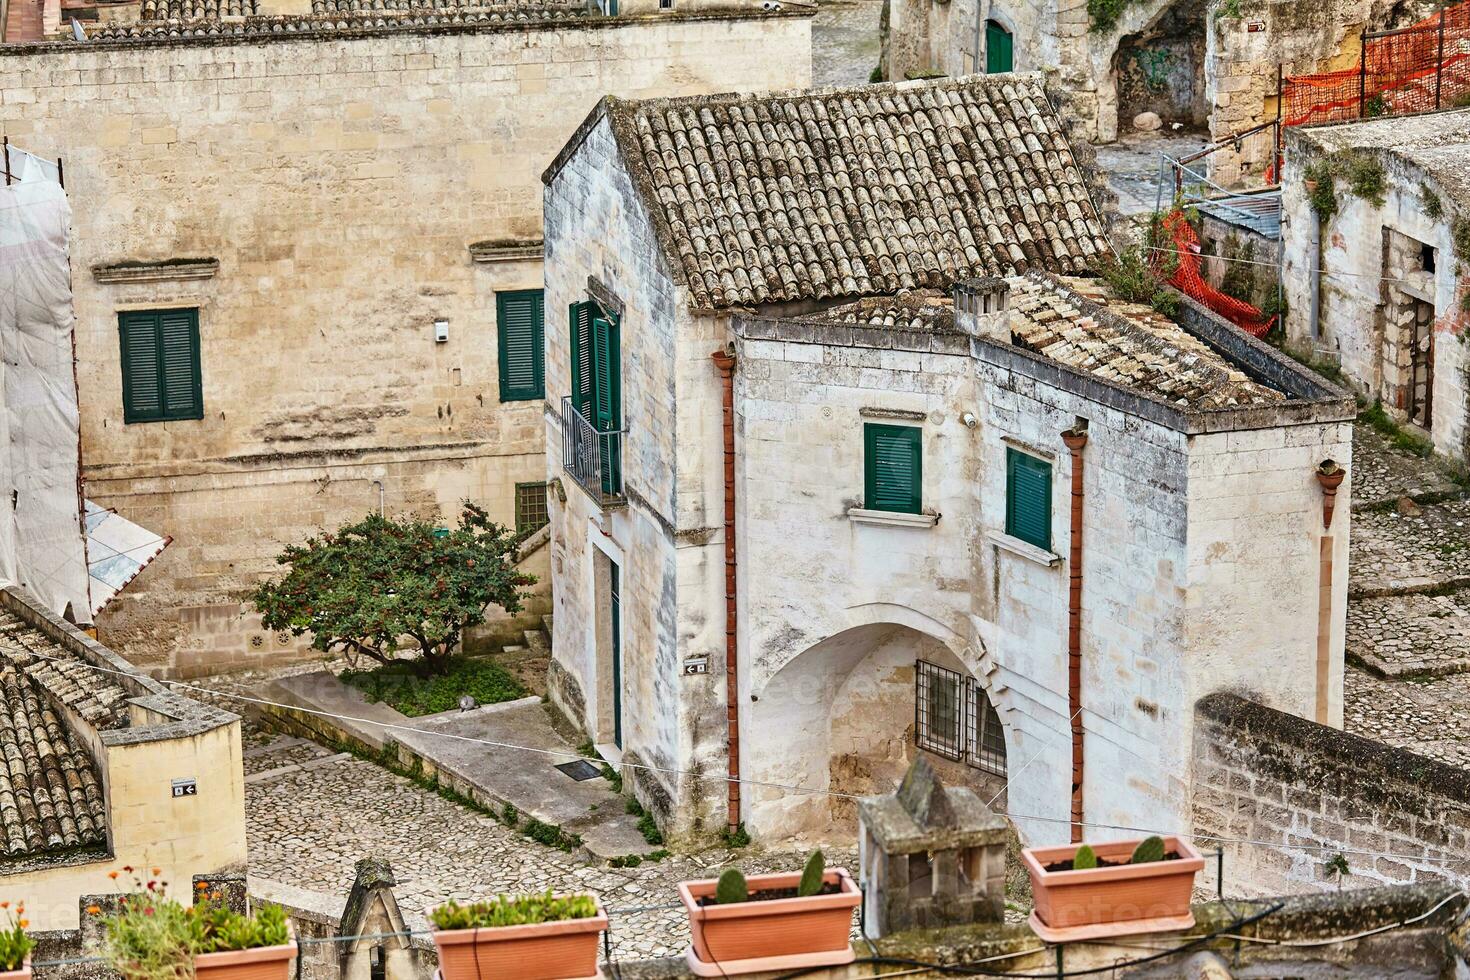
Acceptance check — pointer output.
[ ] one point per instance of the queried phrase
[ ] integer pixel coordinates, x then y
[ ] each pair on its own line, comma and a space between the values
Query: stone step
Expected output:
537, 642
546, 625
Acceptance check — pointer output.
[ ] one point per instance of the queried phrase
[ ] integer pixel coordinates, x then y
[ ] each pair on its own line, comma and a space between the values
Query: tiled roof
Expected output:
1077, 323
917, 309
850, 192
92, 694
235, 18
50, 797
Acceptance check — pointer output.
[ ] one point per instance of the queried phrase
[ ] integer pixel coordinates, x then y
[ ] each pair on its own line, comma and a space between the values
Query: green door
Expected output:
614, 588
998, 54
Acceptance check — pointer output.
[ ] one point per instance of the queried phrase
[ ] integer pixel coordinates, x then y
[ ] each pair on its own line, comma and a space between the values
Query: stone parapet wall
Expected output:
1307, 792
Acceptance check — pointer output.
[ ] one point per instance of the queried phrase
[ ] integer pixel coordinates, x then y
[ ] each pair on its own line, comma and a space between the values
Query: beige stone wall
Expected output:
338, 182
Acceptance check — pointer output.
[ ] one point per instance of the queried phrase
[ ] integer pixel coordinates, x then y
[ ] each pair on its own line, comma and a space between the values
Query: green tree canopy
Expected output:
395, 589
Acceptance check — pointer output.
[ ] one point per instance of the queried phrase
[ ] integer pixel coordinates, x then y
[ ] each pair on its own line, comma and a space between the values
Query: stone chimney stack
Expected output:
982, 308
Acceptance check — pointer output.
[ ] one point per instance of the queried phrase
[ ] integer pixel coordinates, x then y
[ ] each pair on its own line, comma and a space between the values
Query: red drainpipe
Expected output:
1075, 439
725, 362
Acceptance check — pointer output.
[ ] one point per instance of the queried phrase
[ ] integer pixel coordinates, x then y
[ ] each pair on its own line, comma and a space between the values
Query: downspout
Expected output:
725, 362
1075, 439
1329, 477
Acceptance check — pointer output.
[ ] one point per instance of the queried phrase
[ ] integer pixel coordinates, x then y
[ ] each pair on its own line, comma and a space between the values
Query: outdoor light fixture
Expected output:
441, 331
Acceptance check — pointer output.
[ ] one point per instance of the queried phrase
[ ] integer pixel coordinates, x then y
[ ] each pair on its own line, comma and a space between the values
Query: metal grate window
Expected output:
530, 507
986, 743
954, 718
939, 710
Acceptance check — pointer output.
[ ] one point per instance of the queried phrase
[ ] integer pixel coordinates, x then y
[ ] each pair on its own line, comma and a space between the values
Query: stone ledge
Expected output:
529, 250
1025, 549
169, 270
890, 518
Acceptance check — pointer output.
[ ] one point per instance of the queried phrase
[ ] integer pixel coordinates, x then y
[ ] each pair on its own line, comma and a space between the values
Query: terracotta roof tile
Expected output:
846, 192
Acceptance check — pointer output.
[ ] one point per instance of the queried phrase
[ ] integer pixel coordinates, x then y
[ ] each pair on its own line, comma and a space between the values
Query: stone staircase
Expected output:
529, 660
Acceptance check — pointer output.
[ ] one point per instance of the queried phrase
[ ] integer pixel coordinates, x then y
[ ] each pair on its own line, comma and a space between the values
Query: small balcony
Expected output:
592, 457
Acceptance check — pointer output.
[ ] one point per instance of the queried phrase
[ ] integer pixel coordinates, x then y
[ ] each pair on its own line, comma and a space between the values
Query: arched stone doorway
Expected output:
845, 717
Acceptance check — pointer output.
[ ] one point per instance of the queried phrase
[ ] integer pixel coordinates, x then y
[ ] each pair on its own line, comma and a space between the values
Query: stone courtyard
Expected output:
1408, 624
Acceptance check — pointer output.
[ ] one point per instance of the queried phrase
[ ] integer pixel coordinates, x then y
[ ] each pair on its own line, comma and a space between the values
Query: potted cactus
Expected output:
530, 937
1113, 889
15, 945
770, 922
151, 936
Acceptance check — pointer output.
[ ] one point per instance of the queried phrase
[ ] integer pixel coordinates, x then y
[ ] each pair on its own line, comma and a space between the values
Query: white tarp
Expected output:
117, 550
41, 532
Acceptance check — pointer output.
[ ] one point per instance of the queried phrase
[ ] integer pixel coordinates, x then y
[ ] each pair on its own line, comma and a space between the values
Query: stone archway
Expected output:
1161, 69
843, 719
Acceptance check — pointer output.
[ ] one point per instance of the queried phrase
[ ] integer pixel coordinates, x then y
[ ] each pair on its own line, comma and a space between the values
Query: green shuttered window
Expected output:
161, 379
1028, 498
581, 325
892, 468
519, 319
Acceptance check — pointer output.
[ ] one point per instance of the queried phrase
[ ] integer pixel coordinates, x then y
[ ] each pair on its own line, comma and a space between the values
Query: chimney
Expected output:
982, 308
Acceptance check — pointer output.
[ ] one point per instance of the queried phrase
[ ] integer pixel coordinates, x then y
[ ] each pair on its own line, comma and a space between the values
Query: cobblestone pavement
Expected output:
308, 827
1383, 472
845, 42
1408, 625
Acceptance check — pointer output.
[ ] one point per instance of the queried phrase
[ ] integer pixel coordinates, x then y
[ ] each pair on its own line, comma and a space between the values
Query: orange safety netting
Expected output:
1188, 279
1422, 67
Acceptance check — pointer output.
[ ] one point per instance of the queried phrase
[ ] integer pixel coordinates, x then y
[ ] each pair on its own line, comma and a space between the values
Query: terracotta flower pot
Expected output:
564, 950
24, 973
261, 963
783, 933
1112, 901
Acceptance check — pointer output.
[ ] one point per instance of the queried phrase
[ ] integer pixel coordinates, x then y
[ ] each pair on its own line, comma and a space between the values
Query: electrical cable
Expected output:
572, 755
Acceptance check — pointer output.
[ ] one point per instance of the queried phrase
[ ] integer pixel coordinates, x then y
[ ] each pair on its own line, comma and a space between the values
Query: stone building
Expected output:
1211, 65
876, 534
107, 768
1391, 302
316, 230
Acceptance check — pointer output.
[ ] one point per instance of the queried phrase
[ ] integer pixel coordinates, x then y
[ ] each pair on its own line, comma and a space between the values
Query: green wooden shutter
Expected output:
581, 354
183, 396
142, 384
160, 365
607, 395
1028, 498
893, 468
999, 56
520, 325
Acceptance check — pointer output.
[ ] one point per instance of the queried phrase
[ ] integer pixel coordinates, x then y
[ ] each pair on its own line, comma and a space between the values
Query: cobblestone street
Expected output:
308, 826
1408, 627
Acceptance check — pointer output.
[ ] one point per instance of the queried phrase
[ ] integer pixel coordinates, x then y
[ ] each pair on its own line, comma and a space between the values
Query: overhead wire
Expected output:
573, 755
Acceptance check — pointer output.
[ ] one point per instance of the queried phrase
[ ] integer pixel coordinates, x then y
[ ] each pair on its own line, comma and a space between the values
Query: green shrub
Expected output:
513, 910
1149, 850
876, 75
398, 686
1104, 14
649, 829
731, 887
15, 945
735, 838
551, 835
1085, 859
1461, 235
1433, 207
510, 815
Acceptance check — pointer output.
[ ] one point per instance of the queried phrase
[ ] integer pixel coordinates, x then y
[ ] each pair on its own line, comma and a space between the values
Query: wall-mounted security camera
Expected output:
970, 420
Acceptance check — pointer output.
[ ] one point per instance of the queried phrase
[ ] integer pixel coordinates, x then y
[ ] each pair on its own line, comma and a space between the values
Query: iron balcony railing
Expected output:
593, 458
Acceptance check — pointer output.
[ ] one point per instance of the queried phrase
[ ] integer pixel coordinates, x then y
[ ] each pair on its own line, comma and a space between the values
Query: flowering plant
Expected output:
15, 945
154, 937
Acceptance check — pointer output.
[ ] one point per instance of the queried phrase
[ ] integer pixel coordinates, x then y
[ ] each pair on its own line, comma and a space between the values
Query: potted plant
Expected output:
529, 937
1112, 889
15, 945
770, 922
152, 936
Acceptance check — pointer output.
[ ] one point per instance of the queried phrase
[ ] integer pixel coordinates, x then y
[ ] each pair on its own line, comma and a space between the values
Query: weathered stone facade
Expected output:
1190, 62
1210, 567
1391, 308
1289, 795
338, 182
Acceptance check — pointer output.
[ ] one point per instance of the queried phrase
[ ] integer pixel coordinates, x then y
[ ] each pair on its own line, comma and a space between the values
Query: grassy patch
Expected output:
646, 825
551, 835
613, 777
735, 838
398, 687
1396, 435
